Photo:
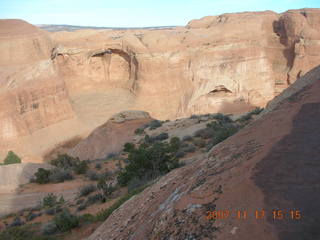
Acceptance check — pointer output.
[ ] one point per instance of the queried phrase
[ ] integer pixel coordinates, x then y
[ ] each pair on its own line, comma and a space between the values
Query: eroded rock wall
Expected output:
61, 85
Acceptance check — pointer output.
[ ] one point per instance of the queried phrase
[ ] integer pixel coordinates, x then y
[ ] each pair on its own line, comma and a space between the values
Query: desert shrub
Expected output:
180, 154
49, 228
86, 190
111, 155
80, 167
65, 221
187, 138
224, 132
194, 116
221, 117
87, 218
136, 183
82, 206
42, 176
98, 166
199, 142
106, 175
32, 216
94, 199
105, 187
160, 137
152, 160
103, 215
175, 144
64, 161
155, 124
50, 211
210, 144
16, 222
50, 200
128, 147
92, 175
190, 148
60, 175
11, 158
148, 139
245, 117
205, 133
22, 233
79, 201
139, 131
257, 110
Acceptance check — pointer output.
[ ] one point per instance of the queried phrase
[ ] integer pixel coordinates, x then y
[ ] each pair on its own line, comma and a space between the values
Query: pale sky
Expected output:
135, 13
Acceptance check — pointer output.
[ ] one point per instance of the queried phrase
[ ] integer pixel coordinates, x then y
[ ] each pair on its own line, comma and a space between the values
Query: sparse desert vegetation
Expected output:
153, 154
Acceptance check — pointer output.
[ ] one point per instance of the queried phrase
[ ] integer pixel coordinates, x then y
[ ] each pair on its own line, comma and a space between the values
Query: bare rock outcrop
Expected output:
262, 183
111, 136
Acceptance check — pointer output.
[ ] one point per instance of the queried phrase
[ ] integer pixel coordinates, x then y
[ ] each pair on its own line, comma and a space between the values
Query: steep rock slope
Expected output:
271, 165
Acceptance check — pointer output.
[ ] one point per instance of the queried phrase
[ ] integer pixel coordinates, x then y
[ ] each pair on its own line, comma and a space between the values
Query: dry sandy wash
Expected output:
58, 86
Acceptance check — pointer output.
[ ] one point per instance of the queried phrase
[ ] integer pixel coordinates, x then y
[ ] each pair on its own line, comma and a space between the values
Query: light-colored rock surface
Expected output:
14, 175
65, 84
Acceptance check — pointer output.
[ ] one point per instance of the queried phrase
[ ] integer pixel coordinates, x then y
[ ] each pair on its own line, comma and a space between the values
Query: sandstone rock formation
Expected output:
33, 95
65, 84
111, 136
271, 165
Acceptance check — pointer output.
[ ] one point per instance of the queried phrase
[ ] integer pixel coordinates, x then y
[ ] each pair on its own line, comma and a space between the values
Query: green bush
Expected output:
128, 147
106, 188
148, 161
92, 175
155, 124
51, 200
64, 161
139, 131
190, 148
221, 117
205, 133
160, 137
86, 190
60, 175
22, 233
103, 215
80, 167
224, 132
87, 218
187, 138
257, 110
175, 144
65, 221
16, 222
49, 228
199, 142
11, 158
42, 176
94, 199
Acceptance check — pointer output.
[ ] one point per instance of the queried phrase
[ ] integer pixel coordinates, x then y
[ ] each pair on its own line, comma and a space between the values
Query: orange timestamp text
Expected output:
256, 214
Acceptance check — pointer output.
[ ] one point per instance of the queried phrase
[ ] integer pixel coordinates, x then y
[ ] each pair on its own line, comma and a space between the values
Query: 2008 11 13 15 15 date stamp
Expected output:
256, 214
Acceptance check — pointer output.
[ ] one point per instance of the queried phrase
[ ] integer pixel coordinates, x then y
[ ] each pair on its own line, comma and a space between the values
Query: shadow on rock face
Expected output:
289, 177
